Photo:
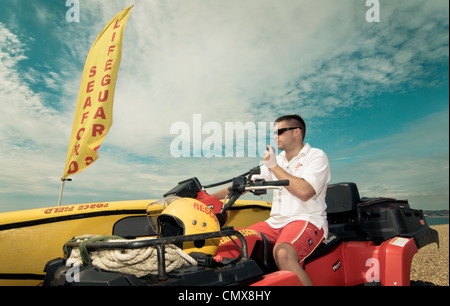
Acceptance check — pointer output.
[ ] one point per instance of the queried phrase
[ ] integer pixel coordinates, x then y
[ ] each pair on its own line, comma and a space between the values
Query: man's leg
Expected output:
297, 241
286, 258
264, 228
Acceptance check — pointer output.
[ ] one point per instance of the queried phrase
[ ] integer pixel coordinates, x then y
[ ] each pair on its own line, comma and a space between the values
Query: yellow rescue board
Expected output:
31, 238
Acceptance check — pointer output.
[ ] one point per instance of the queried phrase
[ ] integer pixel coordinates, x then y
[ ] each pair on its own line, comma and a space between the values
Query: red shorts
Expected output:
303, 236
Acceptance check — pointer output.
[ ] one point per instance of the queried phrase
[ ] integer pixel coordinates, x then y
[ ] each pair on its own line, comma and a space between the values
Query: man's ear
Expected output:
298, 133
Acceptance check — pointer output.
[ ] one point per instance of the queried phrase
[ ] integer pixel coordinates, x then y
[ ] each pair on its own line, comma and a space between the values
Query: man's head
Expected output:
289, 129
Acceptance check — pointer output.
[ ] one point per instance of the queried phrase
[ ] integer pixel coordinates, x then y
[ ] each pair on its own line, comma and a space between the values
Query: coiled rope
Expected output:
140, 262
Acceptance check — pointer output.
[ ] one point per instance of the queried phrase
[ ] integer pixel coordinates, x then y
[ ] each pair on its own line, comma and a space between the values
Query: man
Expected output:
297, 223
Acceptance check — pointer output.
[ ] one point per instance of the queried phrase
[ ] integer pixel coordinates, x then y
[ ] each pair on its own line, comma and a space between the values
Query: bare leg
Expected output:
286, 259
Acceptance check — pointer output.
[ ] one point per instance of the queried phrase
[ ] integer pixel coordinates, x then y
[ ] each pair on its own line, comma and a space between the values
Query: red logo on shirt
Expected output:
298, 166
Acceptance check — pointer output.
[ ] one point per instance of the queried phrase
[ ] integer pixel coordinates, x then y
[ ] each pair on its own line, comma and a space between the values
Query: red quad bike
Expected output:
371, 241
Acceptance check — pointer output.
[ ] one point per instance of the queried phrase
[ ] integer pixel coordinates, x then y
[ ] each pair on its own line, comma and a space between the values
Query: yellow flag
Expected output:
93, 115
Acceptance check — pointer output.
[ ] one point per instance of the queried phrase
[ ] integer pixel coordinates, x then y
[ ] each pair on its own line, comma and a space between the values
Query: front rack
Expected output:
160, 244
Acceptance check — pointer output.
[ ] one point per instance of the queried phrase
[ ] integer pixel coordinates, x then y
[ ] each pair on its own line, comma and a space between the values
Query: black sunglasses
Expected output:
281, 131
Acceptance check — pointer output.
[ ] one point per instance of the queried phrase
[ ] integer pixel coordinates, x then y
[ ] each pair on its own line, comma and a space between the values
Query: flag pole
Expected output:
62, 188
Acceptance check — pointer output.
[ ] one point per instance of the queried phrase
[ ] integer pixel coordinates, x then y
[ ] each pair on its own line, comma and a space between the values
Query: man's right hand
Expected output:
270, 158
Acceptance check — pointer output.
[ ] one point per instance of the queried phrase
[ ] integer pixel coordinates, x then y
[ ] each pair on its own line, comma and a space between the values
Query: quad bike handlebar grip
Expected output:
277, 183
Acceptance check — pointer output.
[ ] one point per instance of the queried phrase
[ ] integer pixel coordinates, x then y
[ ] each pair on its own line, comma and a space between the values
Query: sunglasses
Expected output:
281, 131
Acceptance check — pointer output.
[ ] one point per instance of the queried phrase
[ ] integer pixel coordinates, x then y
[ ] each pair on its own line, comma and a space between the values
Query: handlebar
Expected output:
268, 185
258, 187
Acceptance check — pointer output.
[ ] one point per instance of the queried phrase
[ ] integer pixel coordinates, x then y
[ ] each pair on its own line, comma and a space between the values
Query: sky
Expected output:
374, 95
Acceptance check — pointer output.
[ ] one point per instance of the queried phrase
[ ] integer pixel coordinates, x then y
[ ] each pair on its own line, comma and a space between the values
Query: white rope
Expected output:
139, 262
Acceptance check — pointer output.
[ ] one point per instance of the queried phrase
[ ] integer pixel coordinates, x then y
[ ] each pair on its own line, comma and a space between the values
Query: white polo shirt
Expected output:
311, 165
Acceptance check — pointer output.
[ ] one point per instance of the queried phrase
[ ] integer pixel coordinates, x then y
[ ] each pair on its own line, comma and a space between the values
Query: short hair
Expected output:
298, 122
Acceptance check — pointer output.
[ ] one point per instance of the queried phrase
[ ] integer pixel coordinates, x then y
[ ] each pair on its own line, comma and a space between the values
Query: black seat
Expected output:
342, 200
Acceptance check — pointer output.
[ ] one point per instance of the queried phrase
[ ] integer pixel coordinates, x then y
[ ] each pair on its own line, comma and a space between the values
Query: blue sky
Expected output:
374, 95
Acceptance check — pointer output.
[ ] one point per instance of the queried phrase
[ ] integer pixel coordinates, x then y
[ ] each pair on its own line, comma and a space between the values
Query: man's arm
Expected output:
221, 194
297, 186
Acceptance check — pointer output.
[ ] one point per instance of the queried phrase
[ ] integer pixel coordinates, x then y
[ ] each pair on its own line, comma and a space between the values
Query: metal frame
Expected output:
160, 244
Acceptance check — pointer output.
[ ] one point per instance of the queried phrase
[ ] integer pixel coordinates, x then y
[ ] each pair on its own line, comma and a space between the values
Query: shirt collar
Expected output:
303, 151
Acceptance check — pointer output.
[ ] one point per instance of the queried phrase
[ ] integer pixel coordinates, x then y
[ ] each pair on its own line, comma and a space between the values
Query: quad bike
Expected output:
371, 241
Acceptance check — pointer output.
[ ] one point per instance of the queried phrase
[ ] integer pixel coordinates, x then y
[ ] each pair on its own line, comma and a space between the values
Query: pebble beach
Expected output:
430, 266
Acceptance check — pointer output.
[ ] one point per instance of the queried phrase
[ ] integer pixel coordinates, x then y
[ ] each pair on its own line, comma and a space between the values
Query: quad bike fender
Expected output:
396, 256
388, 264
